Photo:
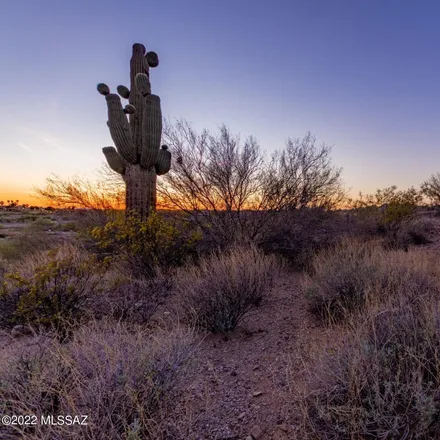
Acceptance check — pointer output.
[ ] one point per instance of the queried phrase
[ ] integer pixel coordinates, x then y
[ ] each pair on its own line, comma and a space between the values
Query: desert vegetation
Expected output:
257, 289
240, 296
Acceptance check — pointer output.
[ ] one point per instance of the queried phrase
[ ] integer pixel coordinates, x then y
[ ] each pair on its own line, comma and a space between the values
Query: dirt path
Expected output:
243, 384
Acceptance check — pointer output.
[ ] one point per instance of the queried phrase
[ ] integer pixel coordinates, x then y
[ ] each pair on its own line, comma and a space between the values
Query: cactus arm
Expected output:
114, 160
129, 109
120, 128
123, 91
152, 131
138, 64
103, 89
152, 59
163, 163
151, 122
143, 85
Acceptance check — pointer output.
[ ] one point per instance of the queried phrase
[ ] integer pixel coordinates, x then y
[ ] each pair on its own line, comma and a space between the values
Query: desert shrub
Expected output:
298, 235
345, 277
226, 286
341, 277
102, 194
386, 197
68, 226
391, 222
135, 299
230, 189
147, 245
29, 217
42, 224
51, 289
395, 212
121, 377
383, 212
383, 382
412, 231
87, 219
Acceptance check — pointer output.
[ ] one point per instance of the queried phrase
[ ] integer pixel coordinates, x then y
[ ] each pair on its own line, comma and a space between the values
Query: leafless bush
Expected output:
99, 200
121, 378
431, 189
302, 175
106, 193
229, 189
226, 286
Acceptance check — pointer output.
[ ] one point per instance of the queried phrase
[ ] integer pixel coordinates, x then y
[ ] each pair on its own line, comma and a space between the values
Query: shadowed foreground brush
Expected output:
382, 382
120, 377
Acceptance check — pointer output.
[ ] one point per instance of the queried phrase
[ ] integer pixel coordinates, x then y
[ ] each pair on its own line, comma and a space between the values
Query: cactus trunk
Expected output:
140, 195
138, 156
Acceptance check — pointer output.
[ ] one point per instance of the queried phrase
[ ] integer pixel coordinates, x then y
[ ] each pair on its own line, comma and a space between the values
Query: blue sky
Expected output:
361, 75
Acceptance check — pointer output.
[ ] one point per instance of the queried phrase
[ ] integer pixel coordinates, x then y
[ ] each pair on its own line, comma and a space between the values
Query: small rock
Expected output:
233, 373
21, 330
283, 428
256, 433
257, 393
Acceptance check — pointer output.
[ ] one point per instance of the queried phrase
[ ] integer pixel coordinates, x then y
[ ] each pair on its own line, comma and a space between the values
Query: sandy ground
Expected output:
243, 384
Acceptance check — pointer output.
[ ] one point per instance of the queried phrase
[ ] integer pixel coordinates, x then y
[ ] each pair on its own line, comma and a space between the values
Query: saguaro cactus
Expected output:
138, 156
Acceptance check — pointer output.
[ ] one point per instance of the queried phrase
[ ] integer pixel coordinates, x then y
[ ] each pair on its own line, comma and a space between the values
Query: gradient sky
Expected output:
361, 75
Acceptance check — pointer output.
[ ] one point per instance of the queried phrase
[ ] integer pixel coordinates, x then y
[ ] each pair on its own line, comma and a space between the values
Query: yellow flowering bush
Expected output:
148, 244
55, 292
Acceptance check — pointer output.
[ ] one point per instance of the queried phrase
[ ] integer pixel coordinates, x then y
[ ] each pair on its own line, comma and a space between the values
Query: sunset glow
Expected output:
362, 76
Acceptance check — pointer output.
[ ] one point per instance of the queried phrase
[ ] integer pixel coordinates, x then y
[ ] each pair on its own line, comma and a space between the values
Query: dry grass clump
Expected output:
121, 378
134, 300
226, 286
383, 381
353, 273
